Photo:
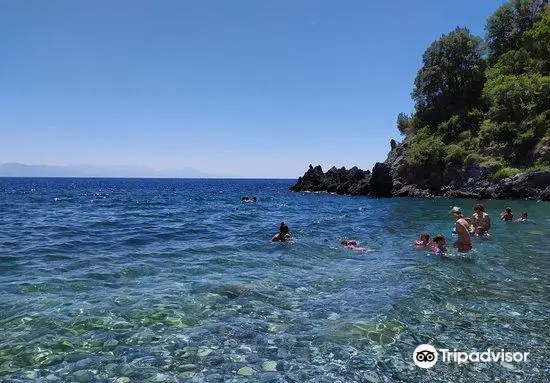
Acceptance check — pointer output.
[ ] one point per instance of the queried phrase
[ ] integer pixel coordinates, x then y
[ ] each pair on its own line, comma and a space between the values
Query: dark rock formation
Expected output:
381, 181
471, 181
396, 177
340, 181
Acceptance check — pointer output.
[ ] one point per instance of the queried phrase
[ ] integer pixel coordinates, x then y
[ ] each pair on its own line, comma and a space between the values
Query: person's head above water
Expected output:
479, 207
424, 237
523, 215
508, 210
456, 212
283, 229
440, 239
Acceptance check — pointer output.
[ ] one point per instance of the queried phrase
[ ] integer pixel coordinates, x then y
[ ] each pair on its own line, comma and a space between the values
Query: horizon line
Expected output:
157, 178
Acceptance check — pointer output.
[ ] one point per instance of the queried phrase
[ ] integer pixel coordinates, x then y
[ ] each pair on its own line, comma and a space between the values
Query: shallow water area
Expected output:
128, 280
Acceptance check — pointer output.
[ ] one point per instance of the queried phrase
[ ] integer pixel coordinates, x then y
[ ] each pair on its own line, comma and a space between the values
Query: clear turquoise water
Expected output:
176, 280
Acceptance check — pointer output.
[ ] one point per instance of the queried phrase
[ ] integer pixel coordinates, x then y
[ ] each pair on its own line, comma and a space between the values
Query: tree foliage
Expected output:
404, 123
496, 109
451, 78
506, 27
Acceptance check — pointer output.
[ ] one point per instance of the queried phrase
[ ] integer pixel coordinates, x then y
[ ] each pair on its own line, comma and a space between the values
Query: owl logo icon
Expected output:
425, 356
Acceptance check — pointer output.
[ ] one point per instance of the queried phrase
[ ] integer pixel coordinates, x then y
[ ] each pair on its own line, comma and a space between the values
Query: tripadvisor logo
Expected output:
426, 356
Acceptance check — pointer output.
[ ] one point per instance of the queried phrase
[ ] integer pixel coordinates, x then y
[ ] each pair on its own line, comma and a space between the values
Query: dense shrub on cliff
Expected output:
492, 108
517, 93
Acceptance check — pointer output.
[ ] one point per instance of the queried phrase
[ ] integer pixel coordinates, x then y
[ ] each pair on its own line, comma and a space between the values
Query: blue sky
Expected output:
245, 88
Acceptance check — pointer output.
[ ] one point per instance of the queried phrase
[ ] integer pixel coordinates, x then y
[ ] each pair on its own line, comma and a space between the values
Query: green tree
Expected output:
451, 78
505, 28
537, 41
404, 124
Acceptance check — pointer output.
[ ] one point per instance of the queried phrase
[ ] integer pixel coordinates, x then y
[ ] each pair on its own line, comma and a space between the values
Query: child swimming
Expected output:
424, 240
352, 244
441, 244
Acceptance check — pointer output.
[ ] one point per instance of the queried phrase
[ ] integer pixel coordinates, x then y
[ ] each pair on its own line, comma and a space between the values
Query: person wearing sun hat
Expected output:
463, 243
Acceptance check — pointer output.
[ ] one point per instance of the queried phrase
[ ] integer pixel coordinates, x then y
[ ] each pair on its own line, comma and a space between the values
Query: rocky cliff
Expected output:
396, 177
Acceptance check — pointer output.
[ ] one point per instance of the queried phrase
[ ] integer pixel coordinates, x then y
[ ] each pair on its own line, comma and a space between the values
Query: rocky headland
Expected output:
481, 121
398, 178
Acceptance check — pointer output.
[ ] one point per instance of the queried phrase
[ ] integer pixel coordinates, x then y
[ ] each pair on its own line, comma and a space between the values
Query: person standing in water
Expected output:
463, 243
481, 220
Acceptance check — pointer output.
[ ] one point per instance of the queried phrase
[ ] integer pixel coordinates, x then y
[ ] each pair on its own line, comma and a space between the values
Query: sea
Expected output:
177, 280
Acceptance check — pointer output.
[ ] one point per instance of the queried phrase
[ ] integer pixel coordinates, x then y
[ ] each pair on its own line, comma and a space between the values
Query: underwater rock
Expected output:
359, 333
237, 358
269, 366
246, 371
83, 376
203, 351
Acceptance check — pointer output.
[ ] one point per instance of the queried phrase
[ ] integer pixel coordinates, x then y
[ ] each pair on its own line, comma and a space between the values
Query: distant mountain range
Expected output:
14, 169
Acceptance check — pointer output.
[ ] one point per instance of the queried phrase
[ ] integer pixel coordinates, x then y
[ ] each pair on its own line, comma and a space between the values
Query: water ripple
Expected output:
176, 280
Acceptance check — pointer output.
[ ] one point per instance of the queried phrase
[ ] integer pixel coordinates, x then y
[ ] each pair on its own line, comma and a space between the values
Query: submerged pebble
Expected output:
269, 366
202, 352
246, 371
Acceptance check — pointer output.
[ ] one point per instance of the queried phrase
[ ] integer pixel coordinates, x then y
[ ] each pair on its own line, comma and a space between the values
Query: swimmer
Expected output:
441, 244
424, 240
523, 217
254, 199
507, 214
245, 199
282, 235
352, 244
481, 220
463, 243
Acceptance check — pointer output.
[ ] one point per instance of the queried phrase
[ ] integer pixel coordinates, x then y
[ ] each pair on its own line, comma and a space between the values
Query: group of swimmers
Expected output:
246, 199
284, 235
479, 225
507, 215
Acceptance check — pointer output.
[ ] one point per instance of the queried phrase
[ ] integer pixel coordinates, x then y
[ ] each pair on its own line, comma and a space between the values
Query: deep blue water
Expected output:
119, 280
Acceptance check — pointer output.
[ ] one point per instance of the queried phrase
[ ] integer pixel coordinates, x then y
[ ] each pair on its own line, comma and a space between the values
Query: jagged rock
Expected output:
535, 179
381, 181
396, 177
461, 194
352, 181
412, 191
545, 194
